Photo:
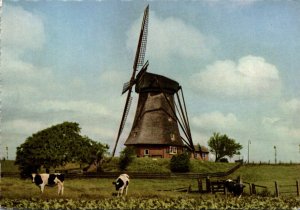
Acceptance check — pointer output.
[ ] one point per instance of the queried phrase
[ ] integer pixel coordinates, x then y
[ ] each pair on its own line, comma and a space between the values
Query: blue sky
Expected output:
237, 61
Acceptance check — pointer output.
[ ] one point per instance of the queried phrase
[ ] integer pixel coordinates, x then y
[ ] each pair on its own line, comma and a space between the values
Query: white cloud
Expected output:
287, 123
216, 121
281, 128
17, 70
171, 37
101, 133
80, 107
244, 2
22, 29
292, 106
25, 81
270, 120
232, 3
251, 76
112, 77
23, 126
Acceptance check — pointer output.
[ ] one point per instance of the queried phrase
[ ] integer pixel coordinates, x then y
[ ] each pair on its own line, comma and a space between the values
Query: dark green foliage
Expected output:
222, 145
224, 160
126, 157
56, 146
163, 202
180, 163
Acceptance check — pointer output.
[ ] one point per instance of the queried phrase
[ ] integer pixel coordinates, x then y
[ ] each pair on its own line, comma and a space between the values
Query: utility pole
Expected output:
249, 142
6, 152
275, 154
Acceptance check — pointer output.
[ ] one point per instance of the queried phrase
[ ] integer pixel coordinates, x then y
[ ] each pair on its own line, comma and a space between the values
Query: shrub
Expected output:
126, 157
180, 163
224, 160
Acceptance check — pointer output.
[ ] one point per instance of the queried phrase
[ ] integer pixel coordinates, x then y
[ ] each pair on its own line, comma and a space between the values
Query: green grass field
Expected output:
154, 193
266, 175
140, 165
142, 194
92, 188
8, 166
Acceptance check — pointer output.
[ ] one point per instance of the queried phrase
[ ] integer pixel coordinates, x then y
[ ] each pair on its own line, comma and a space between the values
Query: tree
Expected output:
126, 157
223, 146
56, 146
91, 152
180, 163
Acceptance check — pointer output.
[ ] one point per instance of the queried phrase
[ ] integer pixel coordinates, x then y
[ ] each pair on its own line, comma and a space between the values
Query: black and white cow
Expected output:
236, 188
42, 180
121, 184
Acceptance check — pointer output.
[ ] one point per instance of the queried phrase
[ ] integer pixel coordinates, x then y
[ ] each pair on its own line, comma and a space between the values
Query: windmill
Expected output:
155, 128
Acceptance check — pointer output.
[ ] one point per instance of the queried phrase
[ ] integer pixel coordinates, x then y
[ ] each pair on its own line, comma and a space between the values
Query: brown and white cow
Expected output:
43, 180
121, 184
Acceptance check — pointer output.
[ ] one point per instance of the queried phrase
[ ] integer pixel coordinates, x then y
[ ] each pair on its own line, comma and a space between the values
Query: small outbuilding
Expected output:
201, 152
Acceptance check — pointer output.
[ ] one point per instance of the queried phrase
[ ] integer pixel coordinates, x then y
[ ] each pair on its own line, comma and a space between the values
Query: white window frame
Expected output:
173, 150
146, 153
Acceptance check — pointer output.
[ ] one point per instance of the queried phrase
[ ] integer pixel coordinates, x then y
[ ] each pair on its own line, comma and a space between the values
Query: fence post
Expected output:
208, 185
253, 189
189, 189
224, 186
276, 189
297, 186
250, 188
200, 186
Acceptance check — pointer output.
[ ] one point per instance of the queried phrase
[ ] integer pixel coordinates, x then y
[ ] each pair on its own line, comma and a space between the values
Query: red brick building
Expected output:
201, 152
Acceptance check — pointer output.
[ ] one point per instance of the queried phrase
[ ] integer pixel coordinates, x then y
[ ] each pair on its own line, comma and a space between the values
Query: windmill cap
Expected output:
156, 83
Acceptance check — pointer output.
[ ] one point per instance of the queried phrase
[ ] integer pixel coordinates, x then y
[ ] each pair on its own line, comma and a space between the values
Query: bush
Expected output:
126, 157
224, 160
180, 163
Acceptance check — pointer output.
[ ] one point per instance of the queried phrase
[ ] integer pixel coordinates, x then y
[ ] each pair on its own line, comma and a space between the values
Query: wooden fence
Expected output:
253, 188
137, 175
219, 186
211, 186
282, 189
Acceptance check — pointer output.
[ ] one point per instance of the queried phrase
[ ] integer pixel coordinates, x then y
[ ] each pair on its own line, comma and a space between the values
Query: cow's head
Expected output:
33, 176
118, 183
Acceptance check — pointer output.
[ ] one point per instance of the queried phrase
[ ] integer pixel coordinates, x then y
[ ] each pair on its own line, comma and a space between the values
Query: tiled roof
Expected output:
199, 148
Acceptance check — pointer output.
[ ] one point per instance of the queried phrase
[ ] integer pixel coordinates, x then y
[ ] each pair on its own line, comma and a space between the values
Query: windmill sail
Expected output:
138, 62
141, 48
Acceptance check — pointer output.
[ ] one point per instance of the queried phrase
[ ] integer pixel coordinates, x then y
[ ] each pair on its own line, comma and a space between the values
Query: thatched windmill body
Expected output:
155, 131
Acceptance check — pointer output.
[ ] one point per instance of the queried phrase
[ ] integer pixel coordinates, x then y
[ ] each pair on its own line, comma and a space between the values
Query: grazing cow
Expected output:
121, 184
42, 180
236, 188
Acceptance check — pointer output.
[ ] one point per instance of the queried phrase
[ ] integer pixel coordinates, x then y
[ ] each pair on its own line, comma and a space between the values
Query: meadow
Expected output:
267, 174
97, 193
142, 194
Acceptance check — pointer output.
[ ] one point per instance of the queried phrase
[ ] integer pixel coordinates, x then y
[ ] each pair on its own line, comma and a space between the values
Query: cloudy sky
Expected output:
237, 61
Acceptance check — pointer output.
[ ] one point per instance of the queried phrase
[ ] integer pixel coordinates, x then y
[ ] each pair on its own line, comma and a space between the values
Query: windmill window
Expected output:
173, 150
146, 152
134, 134
172, 136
